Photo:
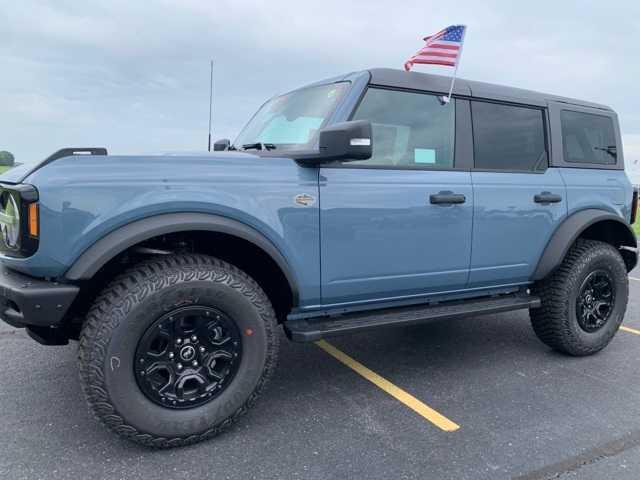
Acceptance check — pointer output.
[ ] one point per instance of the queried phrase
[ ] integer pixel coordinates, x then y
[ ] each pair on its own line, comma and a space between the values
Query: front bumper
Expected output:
33, 303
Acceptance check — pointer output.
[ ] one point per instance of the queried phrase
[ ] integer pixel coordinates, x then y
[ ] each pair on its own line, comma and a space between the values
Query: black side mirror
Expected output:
221, 145
347, 141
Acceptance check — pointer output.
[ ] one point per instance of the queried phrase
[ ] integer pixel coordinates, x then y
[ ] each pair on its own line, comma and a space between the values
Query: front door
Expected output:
399, 224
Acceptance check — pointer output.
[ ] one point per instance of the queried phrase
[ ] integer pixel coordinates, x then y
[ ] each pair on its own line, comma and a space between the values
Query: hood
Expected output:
25, 172
137, 168
150, 169
16, 174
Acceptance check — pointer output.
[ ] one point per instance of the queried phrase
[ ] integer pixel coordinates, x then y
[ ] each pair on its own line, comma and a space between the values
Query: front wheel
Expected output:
176, 349
583, 301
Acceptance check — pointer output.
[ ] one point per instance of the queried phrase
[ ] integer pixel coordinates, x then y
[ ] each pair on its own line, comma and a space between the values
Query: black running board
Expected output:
312, 329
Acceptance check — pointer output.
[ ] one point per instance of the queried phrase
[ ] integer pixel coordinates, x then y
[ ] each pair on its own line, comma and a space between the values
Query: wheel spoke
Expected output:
160, 345
188, 380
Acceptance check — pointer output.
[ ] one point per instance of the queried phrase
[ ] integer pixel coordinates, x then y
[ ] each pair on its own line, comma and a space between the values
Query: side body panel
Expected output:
608, 190
382, 239
510, 230
84, 198
597, 186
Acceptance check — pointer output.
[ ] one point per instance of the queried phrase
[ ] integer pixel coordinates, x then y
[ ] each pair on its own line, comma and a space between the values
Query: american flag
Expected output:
442, 48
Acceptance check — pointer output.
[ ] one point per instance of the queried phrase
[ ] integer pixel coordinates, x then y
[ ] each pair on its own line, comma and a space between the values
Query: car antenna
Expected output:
210, 104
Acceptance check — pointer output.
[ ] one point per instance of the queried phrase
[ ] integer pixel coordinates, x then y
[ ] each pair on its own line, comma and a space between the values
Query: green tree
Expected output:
6, 159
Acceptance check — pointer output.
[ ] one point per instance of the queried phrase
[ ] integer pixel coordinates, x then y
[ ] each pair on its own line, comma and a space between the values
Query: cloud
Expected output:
134, 75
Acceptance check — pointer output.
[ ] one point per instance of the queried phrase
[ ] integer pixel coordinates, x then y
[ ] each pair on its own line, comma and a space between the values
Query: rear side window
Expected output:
588, 138
508, 138
409, 129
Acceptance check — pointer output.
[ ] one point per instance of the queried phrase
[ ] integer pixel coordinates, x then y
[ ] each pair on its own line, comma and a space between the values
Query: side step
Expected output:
312, 329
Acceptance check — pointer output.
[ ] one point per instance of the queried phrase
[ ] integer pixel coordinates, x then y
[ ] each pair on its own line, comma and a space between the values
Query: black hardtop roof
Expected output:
438, 83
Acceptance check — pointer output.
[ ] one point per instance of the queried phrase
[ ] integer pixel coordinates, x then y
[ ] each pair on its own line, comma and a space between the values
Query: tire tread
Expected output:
132, 287
551, 322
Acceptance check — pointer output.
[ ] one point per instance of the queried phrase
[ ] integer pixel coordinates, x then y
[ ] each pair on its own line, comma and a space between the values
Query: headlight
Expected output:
10, 221
19, 222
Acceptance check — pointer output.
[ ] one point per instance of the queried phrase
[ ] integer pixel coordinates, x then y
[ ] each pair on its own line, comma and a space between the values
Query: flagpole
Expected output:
210, 103
447, 99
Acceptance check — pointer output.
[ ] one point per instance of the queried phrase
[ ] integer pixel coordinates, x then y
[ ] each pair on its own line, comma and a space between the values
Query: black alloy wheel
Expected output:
188, 357
595, 301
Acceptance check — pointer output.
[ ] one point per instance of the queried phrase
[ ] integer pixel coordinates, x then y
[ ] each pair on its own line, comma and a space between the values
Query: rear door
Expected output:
399, 224
518, 200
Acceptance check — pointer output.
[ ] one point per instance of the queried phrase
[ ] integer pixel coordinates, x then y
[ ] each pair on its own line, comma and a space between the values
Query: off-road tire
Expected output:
555, 322
129, 304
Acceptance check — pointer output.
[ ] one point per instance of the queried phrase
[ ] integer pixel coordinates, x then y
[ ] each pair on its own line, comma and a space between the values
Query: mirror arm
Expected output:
314, 158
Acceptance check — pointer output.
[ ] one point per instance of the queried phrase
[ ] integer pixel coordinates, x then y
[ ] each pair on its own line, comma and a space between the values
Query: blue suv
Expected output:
359, 202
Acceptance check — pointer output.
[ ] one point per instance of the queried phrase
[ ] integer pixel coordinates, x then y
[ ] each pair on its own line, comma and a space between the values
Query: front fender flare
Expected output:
117, 241
569, 231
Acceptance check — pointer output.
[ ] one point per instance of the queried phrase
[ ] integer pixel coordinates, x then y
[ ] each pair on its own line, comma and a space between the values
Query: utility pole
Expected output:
210, 104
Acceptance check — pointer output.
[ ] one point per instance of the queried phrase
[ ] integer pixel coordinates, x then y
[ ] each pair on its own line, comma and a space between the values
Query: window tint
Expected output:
409, 129
588, 138
507, 137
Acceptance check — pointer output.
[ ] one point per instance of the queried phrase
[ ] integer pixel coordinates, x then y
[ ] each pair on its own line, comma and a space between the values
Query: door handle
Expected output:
447, 198
547, 197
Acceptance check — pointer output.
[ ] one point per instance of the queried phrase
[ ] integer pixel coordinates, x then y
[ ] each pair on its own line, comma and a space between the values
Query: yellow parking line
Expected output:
409, 400
630, 330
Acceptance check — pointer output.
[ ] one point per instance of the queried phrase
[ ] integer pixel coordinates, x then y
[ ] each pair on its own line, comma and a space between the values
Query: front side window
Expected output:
292, 121
507, 137
588, 138
409, 129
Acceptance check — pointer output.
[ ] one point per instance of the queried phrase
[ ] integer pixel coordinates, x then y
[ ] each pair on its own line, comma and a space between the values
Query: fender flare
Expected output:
569, 231
117, 241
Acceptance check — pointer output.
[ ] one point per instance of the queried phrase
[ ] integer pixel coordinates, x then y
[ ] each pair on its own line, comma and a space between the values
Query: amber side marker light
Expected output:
33, 219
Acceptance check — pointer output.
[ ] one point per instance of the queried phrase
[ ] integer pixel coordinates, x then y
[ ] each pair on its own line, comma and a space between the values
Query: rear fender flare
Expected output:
569, 231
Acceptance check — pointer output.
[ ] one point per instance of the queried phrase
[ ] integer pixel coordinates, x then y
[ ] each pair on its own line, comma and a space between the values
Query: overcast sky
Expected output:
133, 76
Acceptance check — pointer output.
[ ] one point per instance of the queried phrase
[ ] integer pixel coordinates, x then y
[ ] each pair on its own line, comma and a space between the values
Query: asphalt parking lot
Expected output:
516, 410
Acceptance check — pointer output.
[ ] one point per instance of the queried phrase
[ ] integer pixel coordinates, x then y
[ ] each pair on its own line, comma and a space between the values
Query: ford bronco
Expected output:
359, 202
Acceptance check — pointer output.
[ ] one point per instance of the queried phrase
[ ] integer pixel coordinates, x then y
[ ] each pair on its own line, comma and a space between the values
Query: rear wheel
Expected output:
176, 349
583, 301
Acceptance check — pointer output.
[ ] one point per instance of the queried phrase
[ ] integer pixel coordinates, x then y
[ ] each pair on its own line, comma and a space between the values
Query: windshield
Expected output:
292, 121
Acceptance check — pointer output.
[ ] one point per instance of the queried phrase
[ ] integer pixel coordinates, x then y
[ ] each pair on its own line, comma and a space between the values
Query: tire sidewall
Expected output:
158, 296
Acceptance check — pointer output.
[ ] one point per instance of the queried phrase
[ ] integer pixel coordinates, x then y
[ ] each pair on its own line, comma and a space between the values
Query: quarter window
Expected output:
588, 138
409, 129
508, 138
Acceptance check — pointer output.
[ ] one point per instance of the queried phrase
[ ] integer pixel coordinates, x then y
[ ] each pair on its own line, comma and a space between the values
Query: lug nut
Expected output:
171, 355
179, 341
179, 366
194, 363
201, 349
194, 338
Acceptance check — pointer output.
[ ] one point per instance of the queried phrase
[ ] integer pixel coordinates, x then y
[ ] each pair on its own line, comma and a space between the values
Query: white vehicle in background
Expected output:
633, 171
